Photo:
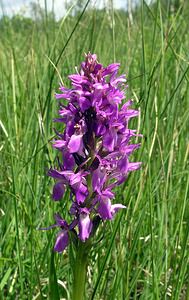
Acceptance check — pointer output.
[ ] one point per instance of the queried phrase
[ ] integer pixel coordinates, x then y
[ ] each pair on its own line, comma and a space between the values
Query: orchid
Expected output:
95, 146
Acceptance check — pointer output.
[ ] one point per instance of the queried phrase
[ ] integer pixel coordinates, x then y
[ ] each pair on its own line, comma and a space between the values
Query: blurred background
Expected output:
58, 7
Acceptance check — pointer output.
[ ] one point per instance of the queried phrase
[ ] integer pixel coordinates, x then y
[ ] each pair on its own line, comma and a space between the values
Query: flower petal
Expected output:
111, 69
58, 191
116, 207
85, 226
109, 139
81, 193
69, 161
61, 241
104, 208
98, 179
60, 222
123, 164
84, 103
134, 166
59, 144
76, 143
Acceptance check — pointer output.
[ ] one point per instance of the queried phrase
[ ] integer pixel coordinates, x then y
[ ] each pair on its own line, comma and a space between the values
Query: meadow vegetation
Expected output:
143, 253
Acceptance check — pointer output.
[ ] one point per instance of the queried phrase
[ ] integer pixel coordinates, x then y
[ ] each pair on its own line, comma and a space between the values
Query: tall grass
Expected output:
143, 253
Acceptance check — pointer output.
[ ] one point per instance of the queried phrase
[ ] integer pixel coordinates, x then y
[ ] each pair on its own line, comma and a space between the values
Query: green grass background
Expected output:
143, 253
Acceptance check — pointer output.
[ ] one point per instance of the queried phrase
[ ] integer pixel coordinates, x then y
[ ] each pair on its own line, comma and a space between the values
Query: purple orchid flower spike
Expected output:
95, 147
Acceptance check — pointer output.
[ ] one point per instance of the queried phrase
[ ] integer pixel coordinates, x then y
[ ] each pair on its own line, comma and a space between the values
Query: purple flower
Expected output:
84, 224
61, 241
58, 191
95, 147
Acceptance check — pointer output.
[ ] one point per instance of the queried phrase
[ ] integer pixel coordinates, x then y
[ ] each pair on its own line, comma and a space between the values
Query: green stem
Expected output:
80, 270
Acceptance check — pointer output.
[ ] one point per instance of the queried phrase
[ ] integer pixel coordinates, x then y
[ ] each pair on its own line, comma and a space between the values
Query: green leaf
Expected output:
5, 278
53, 284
